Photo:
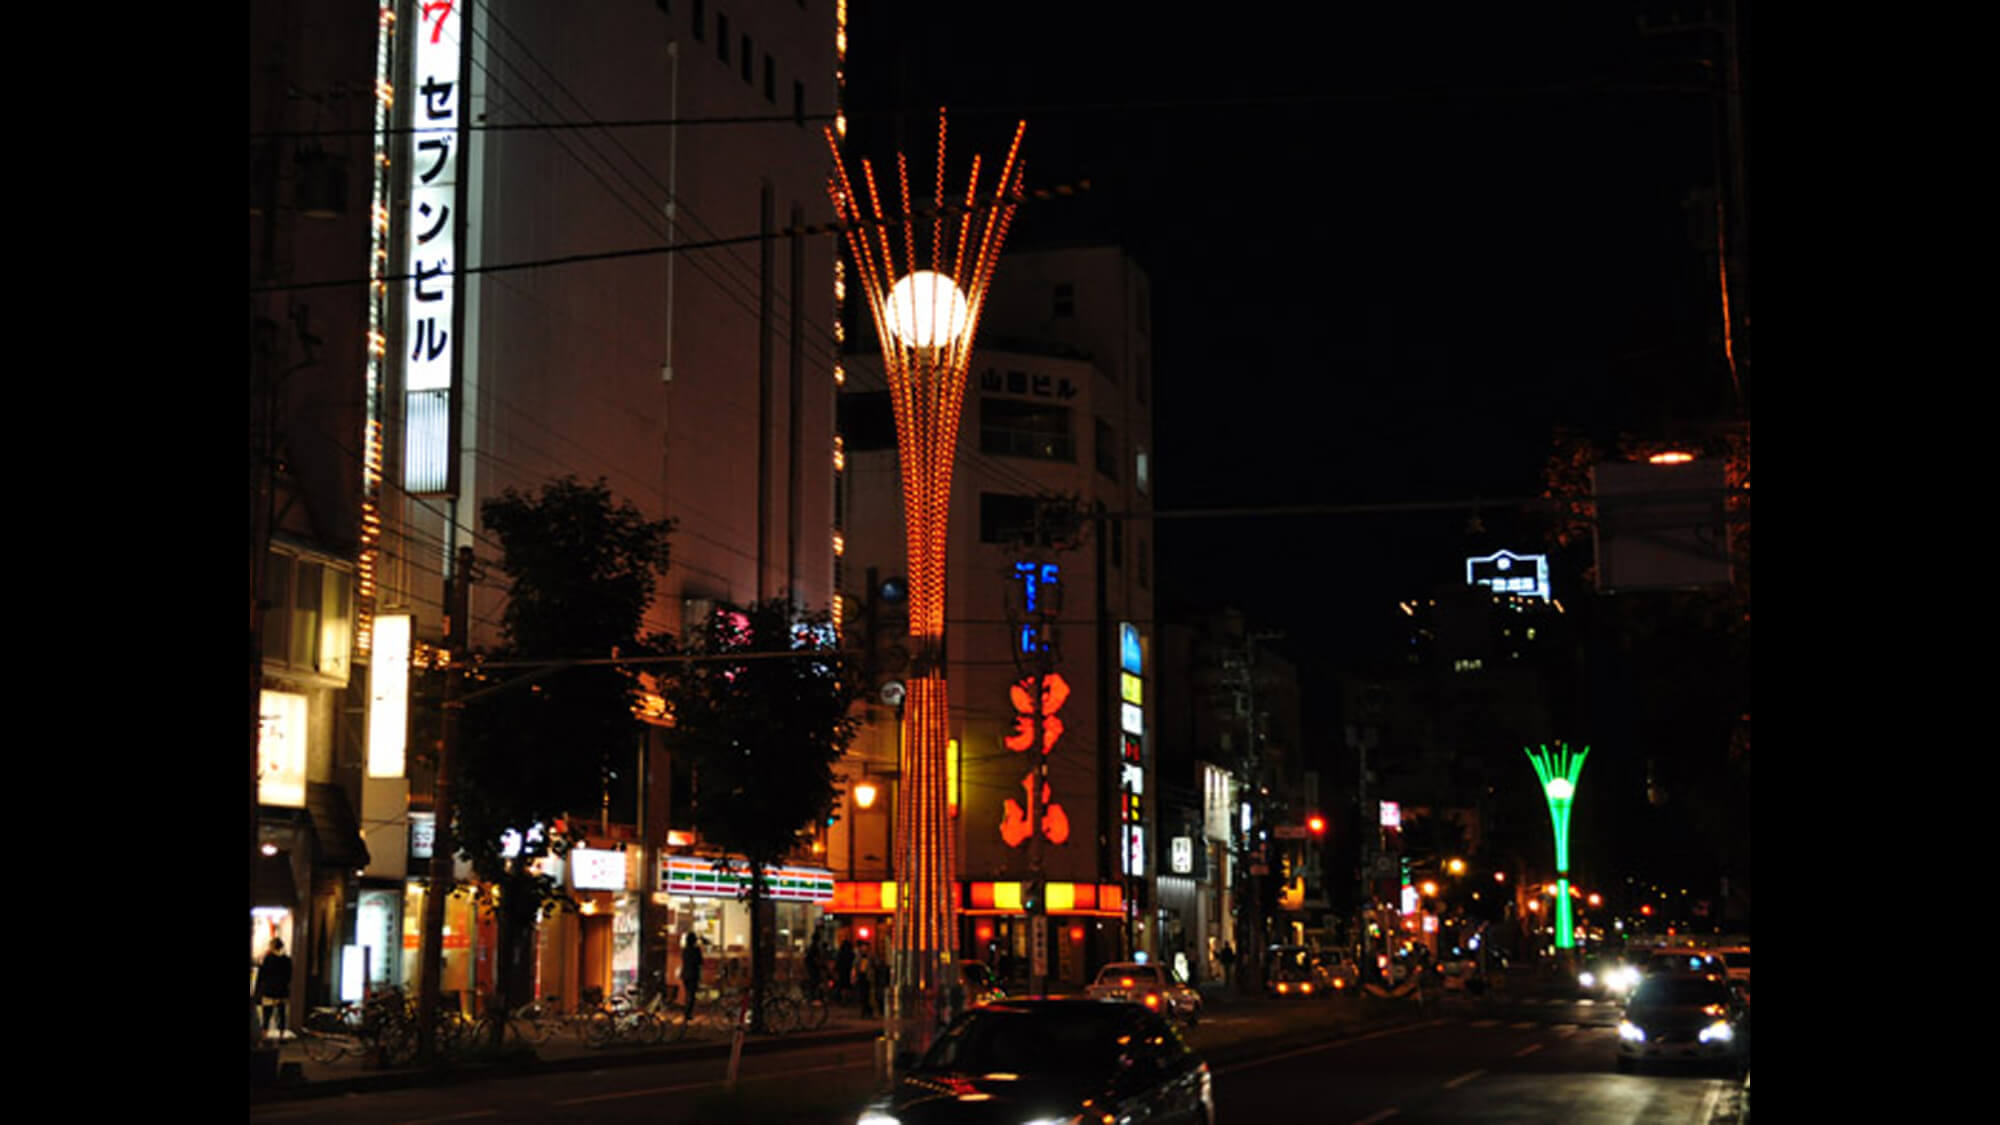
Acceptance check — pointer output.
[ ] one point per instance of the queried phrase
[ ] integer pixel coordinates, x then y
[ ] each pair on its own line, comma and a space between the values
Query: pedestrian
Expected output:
863, 983
1228, 959
274, 986
878, 980
815, 968
843, 968
690, 972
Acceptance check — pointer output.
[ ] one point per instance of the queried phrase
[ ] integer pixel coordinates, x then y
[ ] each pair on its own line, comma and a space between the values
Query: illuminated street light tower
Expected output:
1558, 772
926, 302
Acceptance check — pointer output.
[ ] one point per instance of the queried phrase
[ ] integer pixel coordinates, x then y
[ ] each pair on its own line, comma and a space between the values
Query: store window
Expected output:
1011, 428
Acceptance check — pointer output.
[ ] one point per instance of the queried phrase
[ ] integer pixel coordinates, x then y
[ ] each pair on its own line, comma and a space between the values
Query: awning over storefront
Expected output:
271, 882
336, 827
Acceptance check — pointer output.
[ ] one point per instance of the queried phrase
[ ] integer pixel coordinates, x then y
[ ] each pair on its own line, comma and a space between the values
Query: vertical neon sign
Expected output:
430, 252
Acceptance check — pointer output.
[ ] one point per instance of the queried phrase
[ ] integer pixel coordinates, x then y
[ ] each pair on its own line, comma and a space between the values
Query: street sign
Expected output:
1260, 869
1289, 831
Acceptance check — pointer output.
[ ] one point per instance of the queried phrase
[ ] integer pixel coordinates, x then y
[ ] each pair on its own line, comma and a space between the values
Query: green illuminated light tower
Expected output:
1558, 772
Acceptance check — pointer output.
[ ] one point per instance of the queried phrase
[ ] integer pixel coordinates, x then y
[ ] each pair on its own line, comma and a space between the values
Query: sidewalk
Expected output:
1230, 1027
301, 1077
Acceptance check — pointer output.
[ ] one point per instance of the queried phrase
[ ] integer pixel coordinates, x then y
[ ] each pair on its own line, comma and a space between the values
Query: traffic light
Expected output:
1316, 824
887, 630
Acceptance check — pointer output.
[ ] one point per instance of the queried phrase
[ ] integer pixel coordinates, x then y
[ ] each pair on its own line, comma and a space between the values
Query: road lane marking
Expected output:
1528, 1050
451, 1116
1566, 1031
1335, 1043
1382, 1116
702, 1085
1708, 1104
1463, 1079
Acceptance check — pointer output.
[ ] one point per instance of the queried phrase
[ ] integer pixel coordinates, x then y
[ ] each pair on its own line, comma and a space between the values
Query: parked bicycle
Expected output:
627, 1020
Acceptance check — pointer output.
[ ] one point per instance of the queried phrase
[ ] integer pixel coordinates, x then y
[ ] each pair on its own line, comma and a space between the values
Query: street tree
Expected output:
763, 734
537, 748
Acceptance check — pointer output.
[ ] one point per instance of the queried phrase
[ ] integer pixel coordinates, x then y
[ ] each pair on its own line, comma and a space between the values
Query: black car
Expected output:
1682, 1018
1021, 1062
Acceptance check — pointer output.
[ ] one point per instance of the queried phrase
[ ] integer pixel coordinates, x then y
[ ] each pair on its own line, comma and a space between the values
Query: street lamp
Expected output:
1558, 772
926, 313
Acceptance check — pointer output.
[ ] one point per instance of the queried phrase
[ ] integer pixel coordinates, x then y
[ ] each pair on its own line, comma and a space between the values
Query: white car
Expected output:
1153, 986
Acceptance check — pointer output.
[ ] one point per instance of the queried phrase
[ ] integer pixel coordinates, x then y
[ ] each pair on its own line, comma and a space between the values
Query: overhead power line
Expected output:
806, 230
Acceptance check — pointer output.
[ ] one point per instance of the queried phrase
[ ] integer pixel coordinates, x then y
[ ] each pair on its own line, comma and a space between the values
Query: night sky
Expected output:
1391, 252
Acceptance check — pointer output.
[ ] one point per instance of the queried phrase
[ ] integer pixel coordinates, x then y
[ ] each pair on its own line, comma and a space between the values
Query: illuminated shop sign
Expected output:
683, 875
597, 869
1132, 719
389, 695
1131, 654
1505, 572
281, 749
1021, 818
1131, 688
1135, 850
1183, 855
1392, 815
430, 253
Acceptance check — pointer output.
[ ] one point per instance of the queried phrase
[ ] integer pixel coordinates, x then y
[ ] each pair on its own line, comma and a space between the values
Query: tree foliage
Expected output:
763, 734
537, 751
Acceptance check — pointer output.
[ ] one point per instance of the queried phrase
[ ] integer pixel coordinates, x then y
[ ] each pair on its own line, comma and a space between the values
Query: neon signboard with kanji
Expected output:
437, 100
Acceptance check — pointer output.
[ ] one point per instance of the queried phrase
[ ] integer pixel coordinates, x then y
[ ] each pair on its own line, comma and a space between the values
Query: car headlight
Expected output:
1627, 1030
1718, 1032
1587, 980
1069, 1119
876, 1117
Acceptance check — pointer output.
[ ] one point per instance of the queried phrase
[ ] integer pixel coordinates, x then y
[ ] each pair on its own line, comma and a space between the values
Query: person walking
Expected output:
274, 986
815, 969
843, 968
863, 984
690, 973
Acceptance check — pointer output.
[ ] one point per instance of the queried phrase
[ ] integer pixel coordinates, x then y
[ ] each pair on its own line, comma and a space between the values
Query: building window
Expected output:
1107, 449
1025, 429
1005, 518
770, 80
749, 58
700, 20
722, 37
1142, 471
1065, 301
308, 624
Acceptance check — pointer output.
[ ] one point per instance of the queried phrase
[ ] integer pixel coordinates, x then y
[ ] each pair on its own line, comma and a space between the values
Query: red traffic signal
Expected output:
1316, 824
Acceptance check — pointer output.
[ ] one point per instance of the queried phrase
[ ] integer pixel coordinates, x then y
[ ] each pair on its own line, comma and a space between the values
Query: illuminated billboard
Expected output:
389, 695
1505, 572
430, 260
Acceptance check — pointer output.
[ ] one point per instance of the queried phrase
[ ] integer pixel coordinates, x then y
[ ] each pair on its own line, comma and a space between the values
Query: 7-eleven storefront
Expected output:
708, 897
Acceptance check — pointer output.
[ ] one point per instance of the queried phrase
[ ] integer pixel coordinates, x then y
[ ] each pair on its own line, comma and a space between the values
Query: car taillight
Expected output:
1152, 999
1125, 982
1283, 987
1305, 988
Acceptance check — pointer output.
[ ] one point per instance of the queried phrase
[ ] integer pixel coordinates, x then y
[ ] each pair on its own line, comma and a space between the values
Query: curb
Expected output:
639, 1056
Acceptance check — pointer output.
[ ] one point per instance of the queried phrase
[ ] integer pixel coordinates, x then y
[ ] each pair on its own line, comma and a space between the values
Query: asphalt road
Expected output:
1509, 1062
1523, 1060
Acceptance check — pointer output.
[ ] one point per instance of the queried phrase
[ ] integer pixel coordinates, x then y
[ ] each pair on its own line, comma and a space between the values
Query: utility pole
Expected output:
457, 634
